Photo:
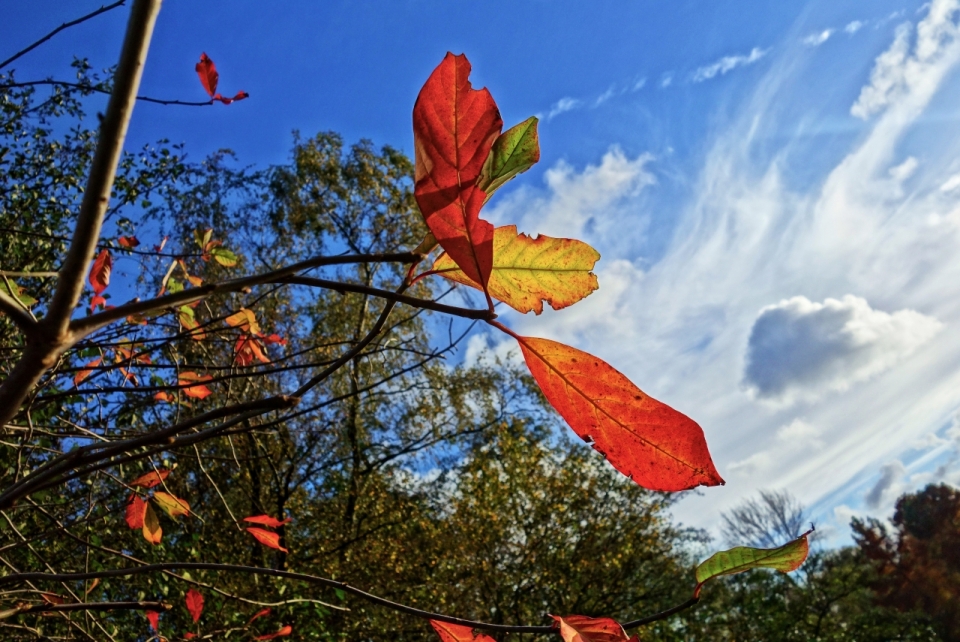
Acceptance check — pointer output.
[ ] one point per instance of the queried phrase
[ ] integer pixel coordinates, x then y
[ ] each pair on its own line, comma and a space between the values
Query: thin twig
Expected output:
88, 606
88, 87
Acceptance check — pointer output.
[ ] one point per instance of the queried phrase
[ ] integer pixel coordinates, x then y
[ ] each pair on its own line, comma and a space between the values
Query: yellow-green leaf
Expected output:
172, 506
17, 293
785, 558
223, 256
514, 152
527, 271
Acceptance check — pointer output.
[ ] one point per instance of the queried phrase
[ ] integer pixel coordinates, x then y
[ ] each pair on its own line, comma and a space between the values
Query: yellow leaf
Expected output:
172, 506
245, 319
151, 526
527, 271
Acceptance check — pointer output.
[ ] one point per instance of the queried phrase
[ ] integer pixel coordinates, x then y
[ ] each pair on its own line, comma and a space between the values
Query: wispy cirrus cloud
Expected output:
817, 39
727, 64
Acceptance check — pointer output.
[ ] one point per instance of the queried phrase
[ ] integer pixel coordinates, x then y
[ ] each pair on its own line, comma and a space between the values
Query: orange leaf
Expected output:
207, 71
194, 602
100, 272
151, 479
151, 526
579, 628
87, 371
247, 349
528, 271
458, 633
266, 520
164, 396
52, 598
287, 630
172, 506
656, 446
135, 510
245, 319
267, 538
454, 127
128, 242
196, 391
258, 614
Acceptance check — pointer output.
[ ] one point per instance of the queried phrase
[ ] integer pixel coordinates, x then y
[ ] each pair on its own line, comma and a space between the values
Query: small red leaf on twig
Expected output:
258, 614
287, 630
151, 479
100, 272
128, 242
194, 601
52, 598
135, 510
154, 618
580, 628
457, 633
197, 391
87, 371
267, 538
207, 71
267, 520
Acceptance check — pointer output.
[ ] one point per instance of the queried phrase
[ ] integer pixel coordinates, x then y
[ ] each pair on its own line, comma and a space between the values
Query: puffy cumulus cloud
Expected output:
903, 70
801, 348
728, 64
817, 39
578, 203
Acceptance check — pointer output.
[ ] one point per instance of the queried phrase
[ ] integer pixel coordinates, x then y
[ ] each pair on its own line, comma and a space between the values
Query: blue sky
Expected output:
774, 188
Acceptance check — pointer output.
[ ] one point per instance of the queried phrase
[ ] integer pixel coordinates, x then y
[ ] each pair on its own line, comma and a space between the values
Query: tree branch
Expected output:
18, 315
88, 87
87, 606
65, 25
467, 313
311, 579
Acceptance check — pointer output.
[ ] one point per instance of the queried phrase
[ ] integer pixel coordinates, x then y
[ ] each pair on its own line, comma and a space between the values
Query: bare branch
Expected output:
18, 315
87, 606
65, 25
95, 88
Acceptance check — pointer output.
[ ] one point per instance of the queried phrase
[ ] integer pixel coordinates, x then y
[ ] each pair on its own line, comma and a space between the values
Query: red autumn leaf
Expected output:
189, 635
128, 242
86, 372
248, 349
194, 602
100, 272
135, 510
271, 339
154, 618
287, 630
267, 538
151, 479
151, 526
656, 446
258, 614
580, 628
454, 127
52, 598
457, 633
207, 71
266, 520
197, 391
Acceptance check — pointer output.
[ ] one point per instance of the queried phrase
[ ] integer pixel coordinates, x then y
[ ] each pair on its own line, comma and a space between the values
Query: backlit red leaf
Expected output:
656, 446
194, 602
580, 628
454, 127
457, 633
151, 526
52, 598
154, 618
258, 614
87, 371
100, 272
207, 71
267, 520
151, 479
135, 510
267, 538
128, 242
287, 630
197, 391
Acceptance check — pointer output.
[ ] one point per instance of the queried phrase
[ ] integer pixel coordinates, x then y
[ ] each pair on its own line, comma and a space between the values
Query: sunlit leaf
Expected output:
580, 628
128, 242
258, 614
656, 446
223, 256
188, 320
194, 602
87, 371
458, 633
150, 479
514, 152
207, 71
527, 271
172, 506
134, 511
16, 292
151, 526
52, 598
248, 349
267, 520
154, 618
786, 558
100, 272
267, 538
244, 319
284, 631
197, 391
454, 127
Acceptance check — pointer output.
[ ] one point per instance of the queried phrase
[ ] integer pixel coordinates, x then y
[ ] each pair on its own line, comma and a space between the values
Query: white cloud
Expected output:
916, 72
888, 485
817, 39
727, 64
798, 348
483, 349
640, 84
666, 79
853, 27
604, 97
904, 170
562, 106
951, 183
796, 439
